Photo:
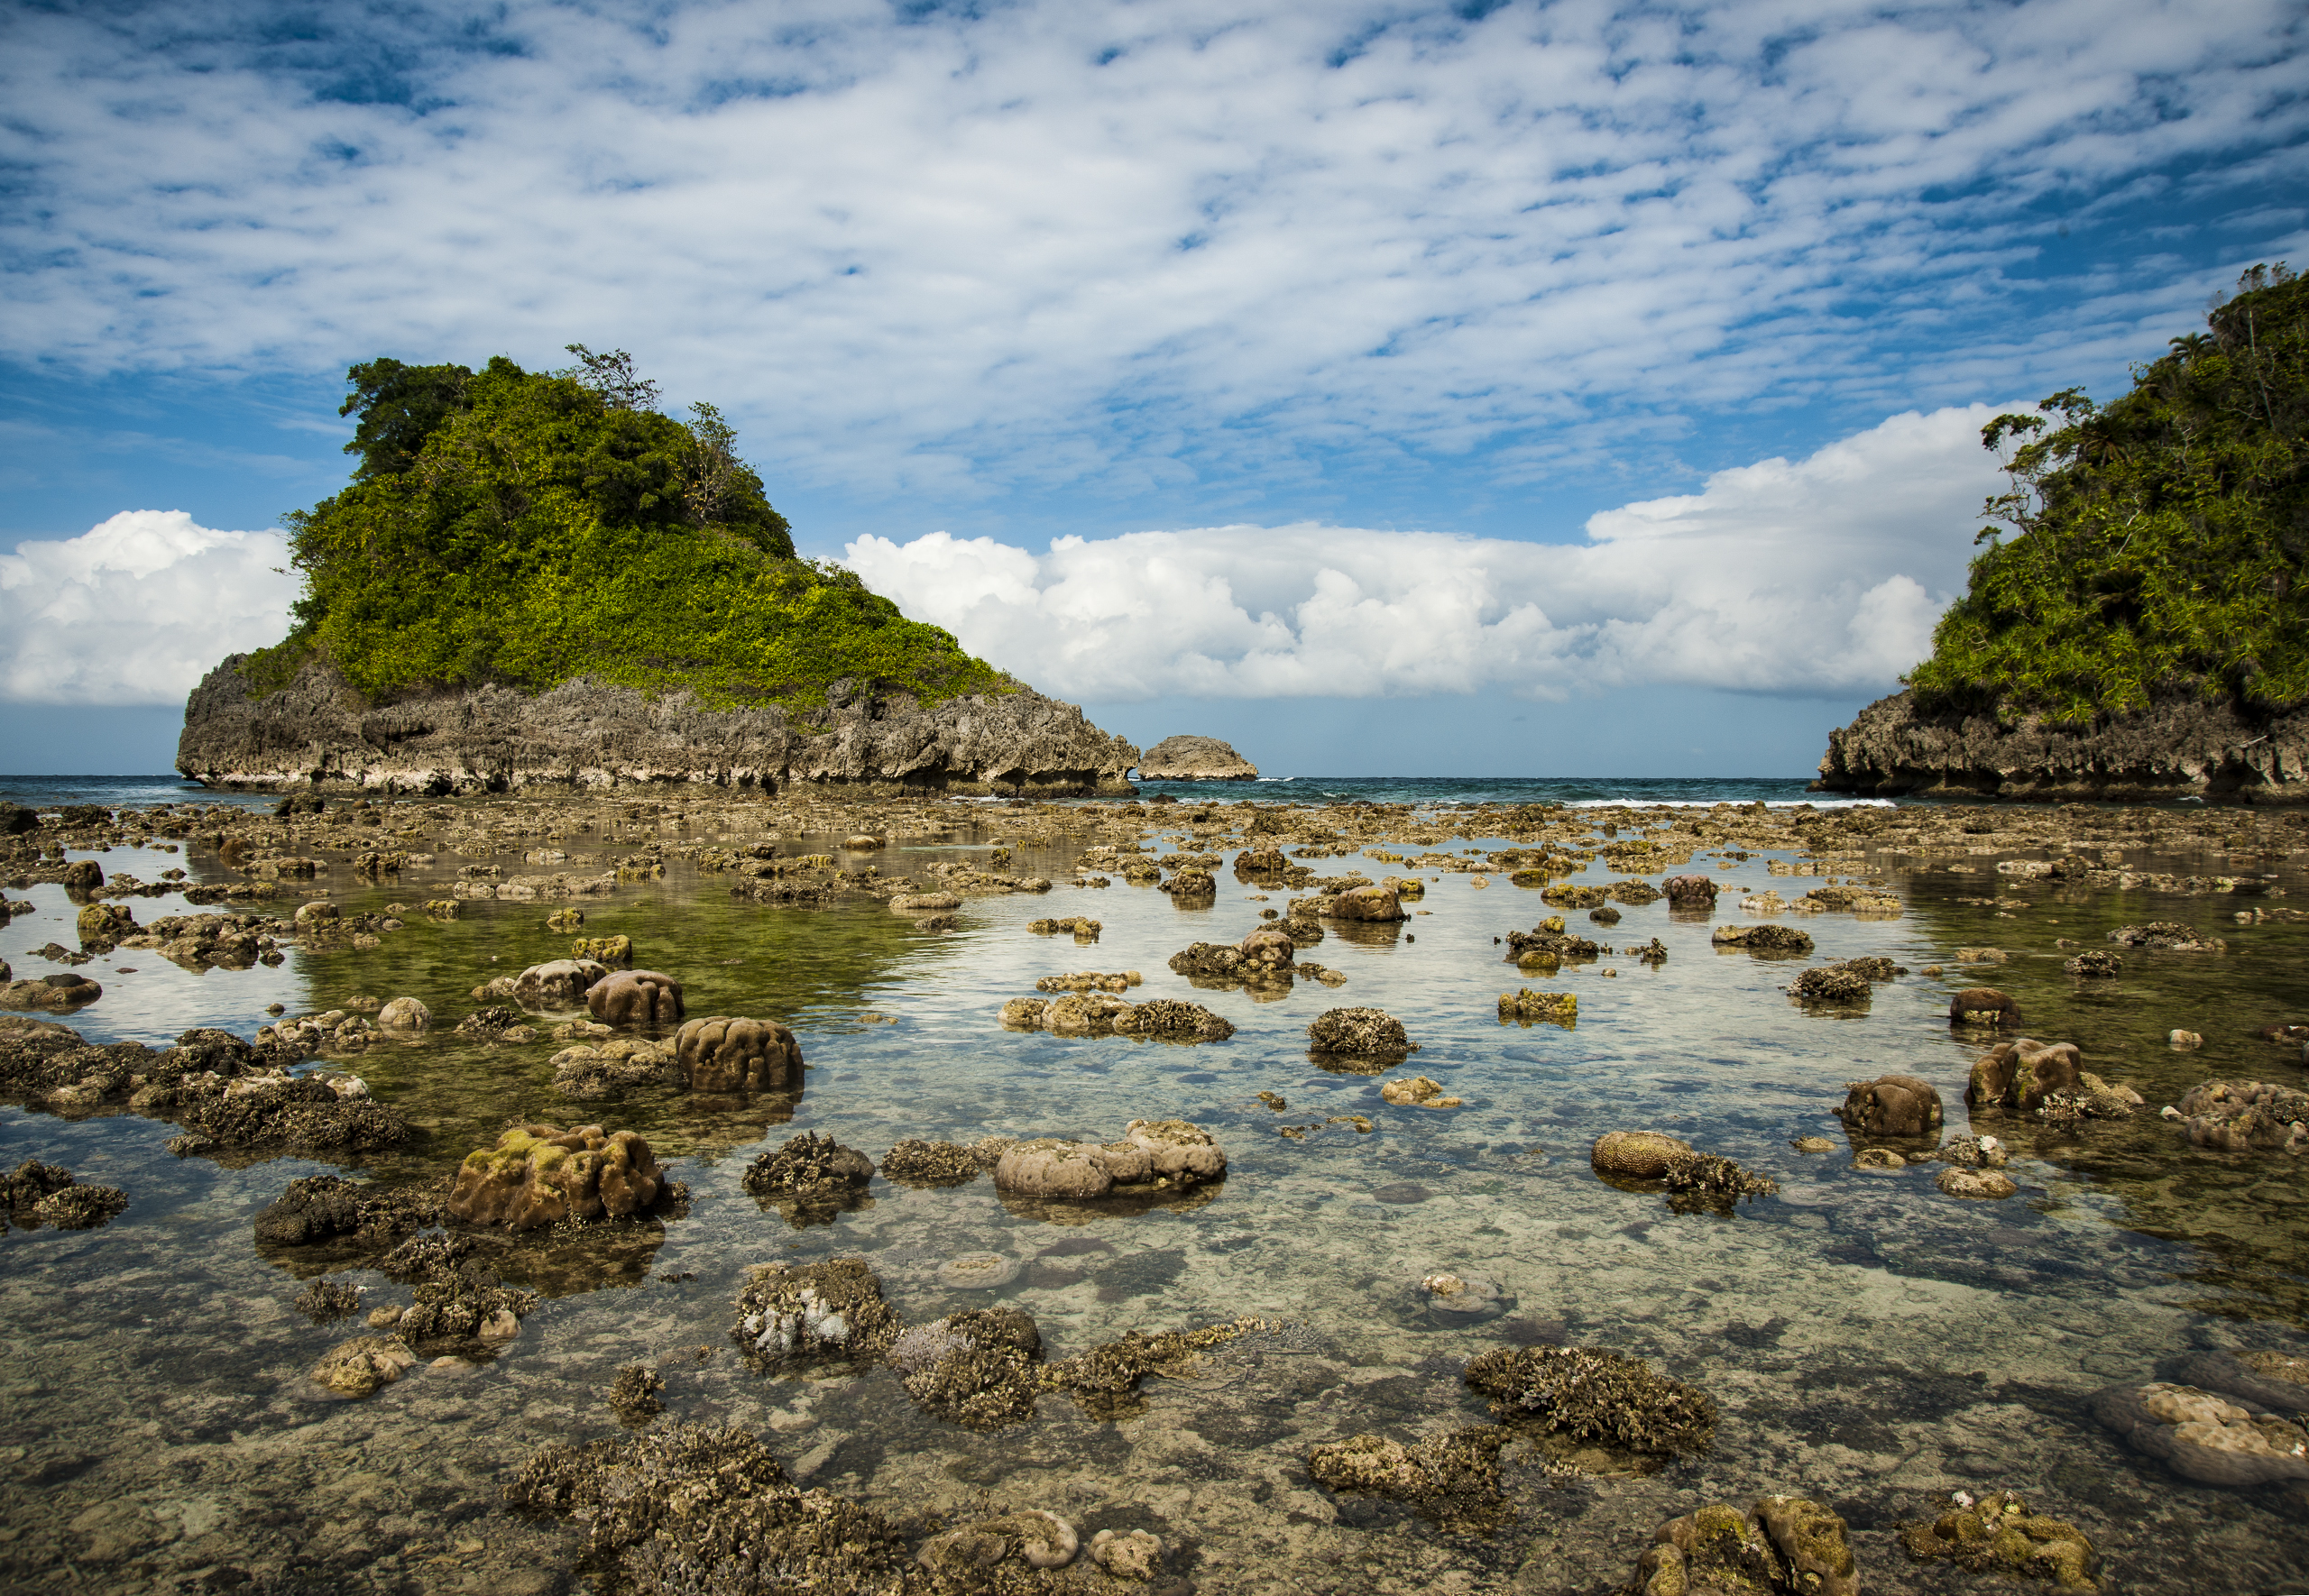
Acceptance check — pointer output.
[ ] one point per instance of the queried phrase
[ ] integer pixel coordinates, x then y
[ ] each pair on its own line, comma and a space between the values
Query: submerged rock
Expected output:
1418, 1092
1590, 1394
1525, 1006
1976, 1152
2204, 1435
1131, 1555
810, 1169
634, 1395
1636, 1155
2247, 1115
57, 994
1768, 940
791, 1315
635, 997
1984, 1006
37, 1193
1452, 1478
322, 1207
537, 1176
2000, 1535
687, 1509
1703, 1181
1960, 1182
931, 1163
1359, 1034
975, 1369
2261, 1377
559, 985
1104, 1381
364, 1365
1891, 1105
972, 1556
1098, 1014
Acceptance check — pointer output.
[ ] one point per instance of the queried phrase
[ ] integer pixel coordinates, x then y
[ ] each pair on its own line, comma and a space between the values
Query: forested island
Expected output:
2142, 632
540, 577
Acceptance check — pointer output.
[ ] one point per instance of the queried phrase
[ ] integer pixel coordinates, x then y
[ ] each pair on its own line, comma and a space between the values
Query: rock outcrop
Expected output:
1194, 759
2183, 749
317, 731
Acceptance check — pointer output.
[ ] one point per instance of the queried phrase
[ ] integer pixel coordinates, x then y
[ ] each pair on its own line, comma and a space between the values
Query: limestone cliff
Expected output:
317, 731
2188, 750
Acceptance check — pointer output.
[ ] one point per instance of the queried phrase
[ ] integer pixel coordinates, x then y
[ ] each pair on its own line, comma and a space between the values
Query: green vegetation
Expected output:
524, 529
2161, 539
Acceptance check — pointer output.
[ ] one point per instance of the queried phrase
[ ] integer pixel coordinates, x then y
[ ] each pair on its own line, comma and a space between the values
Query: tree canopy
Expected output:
525, 528
2159, 538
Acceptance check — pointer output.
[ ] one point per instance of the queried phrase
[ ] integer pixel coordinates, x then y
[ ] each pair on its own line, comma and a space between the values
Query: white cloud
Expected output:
1824, 575
134, 610
1099, 242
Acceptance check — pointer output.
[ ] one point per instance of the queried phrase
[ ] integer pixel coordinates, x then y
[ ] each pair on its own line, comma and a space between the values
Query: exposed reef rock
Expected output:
317, 731
1194, 759
2183, 749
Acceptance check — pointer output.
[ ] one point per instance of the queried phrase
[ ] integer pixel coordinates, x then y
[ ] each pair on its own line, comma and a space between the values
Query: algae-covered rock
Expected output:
1891, 1105
1364, 1034
615, 951
720, 1054
635, 997
1591, 1394
1526, 1007
2000, 1535
684, 1509
2021, 1073
1635, 1155
1192, 884
559, 985
797, 1313
1452, 1478
1784, 1545
2204, 1435
364, 1365
975, 1369
537, 1176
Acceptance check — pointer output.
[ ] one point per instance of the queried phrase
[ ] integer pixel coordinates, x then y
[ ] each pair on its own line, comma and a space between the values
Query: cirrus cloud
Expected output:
1818, 575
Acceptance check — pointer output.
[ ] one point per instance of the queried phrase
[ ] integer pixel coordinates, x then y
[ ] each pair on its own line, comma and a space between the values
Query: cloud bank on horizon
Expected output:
1104, 247
136, 610
1823, 575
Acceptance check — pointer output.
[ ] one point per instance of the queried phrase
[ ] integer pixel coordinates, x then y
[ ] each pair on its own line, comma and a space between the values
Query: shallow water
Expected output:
1870, 1341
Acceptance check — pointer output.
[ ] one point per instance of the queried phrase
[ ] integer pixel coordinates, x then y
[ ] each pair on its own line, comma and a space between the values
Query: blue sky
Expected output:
1213, 365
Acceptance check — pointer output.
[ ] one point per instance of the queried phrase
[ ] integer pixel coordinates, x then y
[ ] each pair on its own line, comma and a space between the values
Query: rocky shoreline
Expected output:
2190, 749
317, 733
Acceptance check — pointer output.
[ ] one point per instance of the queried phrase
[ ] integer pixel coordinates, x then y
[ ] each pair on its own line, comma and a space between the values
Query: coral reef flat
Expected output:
228, 1385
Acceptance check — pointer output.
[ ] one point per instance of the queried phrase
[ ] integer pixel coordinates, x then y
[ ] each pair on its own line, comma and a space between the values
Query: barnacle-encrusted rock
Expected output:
1891, 1105
2165, 935
364, 1365
1565, 895
2021, 1073
915, 1162
586, 1070
2242, 1116
321, 1207
1831, 986
634, 1395
794, 1314
1590, 1394
1703, 1181
537, 1175
975, 1368
39, 1194
688, 1508
1365, 1035
1775, 941
559, 985
1192, 884
1097, 1014
2096, 965
635, 997
1452, 1478
736, 1055
2000, 1535
809, 1167
1984, 1006
1636, 1155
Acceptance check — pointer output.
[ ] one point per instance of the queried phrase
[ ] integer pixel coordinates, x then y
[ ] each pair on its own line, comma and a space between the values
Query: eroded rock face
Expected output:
736, 1055
2180, 749
1194, 759
317, 733
537, 1176
635, 997
1891, 1105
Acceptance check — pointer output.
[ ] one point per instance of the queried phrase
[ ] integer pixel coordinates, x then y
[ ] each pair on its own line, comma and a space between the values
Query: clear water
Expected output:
1869, 1341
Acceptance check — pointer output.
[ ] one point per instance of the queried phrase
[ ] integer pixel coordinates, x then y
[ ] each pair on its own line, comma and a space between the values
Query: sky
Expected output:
1485, 389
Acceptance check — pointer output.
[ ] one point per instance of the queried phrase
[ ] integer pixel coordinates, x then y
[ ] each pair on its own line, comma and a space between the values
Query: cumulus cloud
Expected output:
1819, 575
981, 249
135, 609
